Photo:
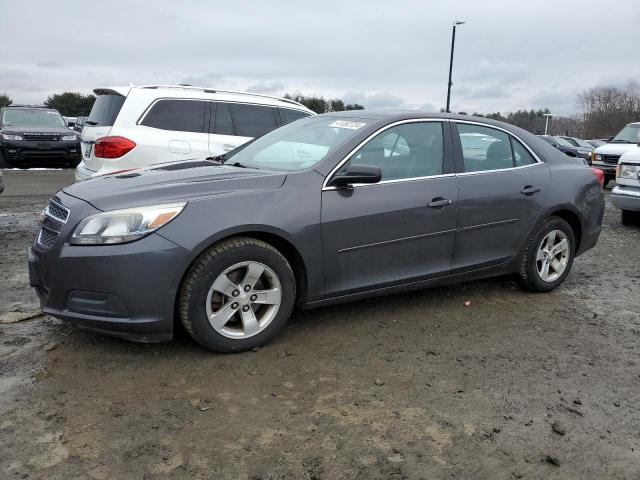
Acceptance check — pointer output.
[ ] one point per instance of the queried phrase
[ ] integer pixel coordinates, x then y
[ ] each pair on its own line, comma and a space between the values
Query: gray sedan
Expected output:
324, 210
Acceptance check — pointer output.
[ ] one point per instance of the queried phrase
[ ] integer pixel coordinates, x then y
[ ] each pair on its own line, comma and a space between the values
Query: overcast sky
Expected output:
383, 53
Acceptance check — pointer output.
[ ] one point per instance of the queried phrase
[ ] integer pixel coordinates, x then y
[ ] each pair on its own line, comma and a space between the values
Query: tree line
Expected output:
319, 105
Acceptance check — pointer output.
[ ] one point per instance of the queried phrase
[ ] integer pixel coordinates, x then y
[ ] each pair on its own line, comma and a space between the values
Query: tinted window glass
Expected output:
405, 151
484, 148
177, 115
223, 123
252, 120
289, 115
521, 154
105, 110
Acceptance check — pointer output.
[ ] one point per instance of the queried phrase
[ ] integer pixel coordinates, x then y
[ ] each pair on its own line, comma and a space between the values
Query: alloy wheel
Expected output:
552, 255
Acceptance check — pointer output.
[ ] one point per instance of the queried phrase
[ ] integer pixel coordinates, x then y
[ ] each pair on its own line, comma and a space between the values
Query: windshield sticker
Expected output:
347, 124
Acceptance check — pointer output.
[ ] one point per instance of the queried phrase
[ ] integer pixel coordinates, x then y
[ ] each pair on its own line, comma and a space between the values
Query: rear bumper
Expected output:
23, 152
626, 198
126, 291
83, 173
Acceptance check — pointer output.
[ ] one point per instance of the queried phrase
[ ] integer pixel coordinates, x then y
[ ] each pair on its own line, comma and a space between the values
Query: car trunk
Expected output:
103, 115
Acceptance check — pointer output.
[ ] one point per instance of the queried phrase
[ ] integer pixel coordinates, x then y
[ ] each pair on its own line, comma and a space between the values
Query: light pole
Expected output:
546, 122
453, 43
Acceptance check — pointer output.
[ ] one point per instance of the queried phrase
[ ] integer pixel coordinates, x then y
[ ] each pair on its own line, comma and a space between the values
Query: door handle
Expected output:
439, 202
529, 190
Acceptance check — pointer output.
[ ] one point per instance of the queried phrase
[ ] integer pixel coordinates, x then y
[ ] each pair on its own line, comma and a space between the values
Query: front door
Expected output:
500, 184
400, 229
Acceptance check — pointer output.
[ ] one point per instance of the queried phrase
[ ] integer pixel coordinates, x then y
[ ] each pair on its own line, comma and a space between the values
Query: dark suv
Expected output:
36, 135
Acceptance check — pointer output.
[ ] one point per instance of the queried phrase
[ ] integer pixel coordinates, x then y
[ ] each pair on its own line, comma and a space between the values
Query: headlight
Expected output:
8, 136
596, 157
629, 171
121, 226
69, 138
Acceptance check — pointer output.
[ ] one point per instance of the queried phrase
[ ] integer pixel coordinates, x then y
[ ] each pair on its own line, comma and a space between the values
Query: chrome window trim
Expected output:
416, 120
377, 132
48, 213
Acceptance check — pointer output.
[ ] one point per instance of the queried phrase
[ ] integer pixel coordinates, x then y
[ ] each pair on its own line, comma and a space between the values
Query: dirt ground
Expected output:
414, 386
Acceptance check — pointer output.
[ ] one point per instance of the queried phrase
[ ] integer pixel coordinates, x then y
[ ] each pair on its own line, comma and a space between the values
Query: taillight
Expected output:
112, 147
599, 175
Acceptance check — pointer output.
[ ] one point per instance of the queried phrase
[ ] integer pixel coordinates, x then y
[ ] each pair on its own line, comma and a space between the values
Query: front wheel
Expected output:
237, 295
548, 256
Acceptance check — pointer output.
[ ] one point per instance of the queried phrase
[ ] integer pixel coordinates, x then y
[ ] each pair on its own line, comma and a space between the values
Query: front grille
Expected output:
56, 211
41, 137
612, 159
46, 238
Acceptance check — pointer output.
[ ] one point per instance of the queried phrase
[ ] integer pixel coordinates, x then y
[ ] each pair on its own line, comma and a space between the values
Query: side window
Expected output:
177, 115
521, 154
223, 124
253, 120
288, 115
484, 148
405, 151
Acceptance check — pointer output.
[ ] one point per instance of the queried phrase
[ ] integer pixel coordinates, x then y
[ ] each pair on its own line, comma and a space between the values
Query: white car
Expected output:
626, 194
135, 126
606, 157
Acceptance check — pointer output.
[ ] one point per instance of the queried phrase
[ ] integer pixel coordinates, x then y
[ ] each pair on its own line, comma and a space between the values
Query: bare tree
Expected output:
605, 110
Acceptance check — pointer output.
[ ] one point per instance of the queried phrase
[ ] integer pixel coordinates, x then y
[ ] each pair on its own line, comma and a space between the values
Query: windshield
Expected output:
564, 142
628, 134
582, 143
298, 145
18, 117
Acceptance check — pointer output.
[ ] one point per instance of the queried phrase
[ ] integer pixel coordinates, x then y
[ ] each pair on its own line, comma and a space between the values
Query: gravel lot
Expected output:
414, 386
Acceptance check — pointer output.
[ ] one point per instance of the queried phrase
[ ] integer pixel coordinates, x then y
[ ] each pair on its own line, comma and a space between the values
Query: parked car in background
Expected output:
34, 135
606, 156
79, 124
626, 194
70, 121
567, 147
578, 142
136, 126
327, 209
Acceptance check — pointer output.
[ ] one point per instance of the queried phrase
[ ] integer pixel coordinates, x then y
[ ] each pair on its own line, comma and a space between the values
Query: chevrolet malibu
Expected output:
324, 210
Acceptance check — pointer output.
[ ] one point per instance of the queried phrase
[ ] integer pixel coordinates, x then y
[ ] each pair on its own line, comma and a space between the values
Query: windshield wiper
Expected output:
237, 164
217, 159
91, 122
621, 141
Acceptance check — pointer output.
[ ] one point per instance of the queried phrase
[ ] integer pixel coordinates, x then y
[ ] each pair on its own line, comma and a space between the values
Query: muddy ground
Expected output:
413, 386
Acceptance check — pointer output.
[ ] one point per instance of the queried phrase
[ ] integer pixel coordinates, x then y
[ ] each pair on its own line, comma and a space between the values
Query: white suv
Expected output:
131, 127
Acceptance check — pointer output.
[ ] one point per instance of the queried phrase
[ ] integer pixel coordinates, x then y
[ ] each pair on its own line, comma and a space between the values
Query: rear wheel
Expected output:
237, 295
548, 256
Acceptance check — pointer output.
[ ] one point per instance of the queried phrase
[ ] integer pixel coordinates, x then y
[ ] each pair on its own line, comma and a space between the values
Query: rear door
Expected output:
102, 117
174, 129
248, 121
501, 183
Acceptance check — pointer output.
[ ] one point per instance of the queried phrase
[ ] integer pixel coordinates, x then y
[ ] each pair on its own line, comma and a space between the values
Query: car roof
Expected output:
206, 93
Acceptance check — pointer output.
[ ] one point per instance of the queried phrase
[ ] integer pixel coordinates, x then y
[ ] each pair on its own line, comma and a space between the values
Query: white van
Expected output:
135, 126
606, 157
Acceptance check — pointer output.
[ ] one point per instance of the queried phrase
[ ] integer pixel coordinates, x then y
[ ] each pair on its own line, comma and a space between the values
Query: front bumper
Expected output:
26, 151
608, 168
125, 290
626, 198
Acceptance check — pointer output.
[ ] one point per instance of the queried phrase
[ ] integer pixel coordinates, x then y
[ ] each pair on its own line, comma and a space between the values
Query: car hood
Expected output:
615, 148
172, 182
632, 156
16, 129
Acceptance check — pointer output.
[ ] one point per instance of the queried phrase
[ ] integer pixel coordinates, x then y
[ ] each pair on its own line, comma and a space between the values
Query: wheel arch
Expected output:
573, 219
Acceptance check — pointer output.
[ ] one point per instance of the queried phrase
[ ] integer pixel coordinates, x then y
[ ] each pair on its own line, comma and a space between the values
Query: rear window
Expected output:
105, 109
287, 115
177, 115
253, 120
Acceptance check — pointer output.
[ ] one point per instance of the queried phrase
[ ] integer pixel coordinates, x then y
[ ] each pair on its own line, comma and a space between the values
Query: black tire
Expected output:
629, 217
200, 277
529, 277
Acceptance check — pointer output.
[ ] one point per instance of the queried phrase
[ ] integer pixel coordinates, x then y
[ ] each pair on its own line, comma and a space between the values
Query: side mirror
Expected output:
356, 174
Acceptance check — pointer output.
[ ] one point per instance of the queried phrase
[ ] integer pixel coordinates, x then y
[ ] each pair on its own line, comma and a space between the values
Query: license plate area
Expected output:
88, 147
